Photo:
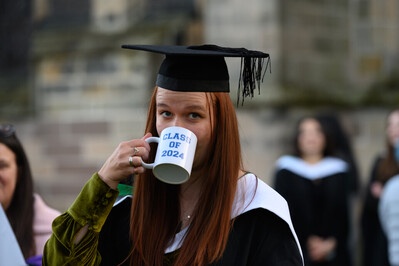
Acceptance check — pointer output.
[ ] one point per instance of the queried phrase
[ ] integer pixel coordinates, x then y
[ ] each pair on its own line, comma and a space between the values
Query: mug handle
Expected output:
149, 140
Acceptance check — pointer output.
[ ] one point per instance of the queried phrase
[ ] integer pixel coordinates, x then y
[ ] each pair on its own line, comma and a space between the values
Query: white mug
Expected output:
175, 155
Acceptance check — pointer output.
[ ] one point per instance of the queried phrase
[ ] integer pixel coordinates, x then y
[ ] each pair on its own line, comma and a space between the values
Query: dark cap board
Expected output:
203, 68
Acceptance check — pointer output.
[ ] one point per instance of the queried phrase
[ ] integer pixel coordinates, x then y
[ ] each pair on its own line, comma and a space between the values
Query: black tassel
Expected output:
252, 74
251, 70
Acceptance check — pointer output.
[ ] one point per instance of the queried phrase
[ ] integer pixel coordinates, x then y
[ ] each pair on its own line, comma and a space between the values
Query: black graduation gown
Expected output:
262, 231
374, 242
318, 203
257, 236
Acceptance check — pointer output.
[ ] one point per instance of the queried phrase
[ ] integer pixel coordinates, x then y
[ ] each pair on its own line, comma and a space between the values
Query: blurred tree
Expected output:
15, 38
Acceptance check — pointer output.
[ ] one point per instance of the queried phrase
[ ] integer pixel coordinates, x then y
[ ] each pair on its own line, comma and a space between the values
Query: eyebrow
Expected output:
162, 105
190, 107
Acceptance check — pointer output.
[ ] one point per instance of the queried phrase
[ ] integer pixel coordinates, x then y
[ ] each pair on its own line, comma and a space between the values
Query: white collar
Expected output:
252, 193
326, 167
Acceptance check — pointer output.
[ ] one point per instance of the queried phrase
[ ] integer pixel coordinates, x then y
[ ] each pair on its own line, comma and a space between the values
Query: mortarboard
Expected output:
203, 68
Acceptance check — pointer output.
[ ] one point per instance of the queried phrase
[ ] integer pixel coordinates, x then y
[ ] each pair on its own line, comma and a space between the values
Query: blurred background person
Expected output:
385, 166
389, 217
29, 216
342, 147
313, 180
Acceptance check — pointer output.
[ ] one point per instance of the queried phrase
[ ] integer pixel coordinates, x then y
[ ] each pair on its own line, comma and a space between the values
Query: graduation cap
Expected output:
203, 68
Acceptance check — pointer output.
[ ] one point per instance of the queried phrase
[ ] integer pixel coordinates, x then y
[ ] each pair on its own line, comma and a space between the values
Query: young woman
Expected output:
29, 216
315, 184
223, 215
385, 166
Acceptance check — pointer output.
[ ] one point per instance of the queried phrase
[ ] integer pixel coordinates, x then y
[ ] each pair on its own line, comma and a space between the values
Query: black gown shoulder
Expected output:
258, 237
114, 244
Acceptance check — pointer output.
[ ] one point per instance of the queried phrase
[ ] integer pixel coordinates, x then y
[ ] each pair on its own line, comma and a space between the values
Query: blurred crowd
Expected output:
321, 183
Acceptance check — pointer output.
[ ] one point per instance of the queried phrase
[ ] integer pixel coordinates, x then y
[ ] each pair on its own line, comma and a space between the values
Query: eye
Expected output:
194, 115
3, 165
166, 113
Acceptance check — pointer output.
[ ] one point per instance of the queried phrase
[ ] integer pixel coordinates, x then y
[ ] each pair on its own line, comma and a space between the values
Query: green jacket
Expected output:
91, 208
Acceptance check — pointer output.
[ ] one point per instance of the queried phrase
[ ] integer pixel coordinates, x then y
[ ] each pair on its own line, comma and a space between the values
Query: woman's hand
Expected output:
321, 249
118, 167
376, 189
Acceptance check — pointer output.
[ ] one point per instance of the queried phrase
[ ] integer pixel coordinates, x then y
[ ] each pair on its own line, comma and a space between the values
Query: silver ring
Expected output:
131, 161
135, 151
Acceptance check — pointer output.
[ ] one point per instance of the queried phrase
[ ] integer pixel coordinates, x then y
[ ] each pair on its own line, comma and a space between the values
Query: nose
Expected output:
178, 122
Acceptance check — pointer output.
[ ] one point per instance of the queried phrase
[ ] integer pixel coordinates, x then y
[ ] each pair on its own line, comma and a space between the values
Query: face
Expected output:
189, 110
392, 130
311, 139
8, 175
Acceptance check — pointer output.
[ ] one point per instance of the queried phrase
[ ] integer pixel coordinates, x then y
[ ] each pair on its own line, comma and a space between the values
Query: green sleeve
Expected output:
91, 207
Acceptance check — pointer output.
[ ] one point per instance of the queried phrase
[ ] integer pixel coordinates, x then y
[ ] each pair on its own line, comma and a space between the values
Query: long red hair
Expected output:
155, 214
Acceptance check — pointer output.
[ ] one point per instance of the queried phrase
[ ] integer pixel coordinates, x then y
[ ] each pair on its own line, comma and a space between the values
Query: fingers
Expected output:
135, 160
125, 160
141, 151
133, 163
139, 147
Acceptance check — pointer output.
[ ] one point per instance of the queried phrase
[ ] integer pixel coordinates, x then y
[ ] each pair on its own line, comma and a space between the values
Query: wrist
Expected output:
111, 183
